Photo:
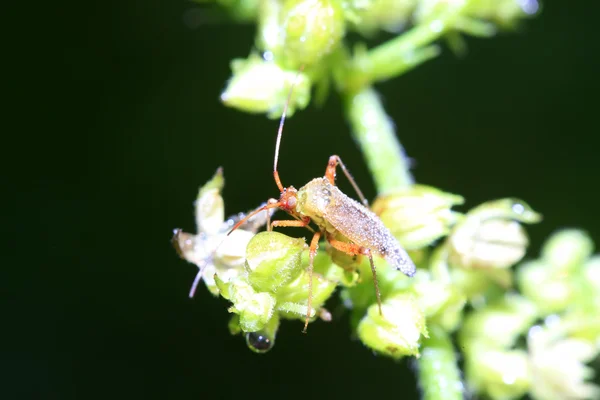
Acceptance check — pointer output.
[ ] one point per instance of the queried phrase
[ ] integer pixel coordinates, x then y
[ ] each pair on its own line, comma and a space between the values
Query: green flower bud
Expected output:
473, 284
292, 299
234, 325
254, 309
441, 302
311, 29
396, 333
490, 236
550, 291
419, 215
260, 86
369, 16
273, 260
499, 324
568, 249
505, 13
499, 373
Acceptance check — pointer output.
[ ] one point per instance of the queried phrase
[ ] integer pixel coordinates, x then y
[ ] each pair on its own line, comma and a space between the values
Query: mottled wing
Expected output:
364, 228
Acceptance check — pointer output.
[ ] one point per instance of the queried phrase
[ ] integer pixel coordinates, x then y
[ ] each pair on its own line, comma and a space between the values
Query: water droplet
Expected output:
259, 342
268, 56
518, 208
552, 320
529, 7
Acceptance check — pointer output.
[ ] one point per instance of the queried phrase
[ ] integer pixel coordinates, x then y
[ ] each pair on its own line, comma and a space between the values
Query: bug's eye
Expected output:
259, 342
291, 202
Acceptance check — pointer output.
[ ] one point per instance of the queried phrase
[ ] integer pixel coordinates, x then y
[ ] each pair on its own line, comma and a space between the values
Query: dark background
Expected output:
127, 123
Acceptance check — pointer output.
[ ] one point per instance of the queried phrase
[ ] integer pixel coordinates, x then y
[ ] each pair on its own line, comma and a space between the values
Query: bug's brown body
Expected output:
335, 212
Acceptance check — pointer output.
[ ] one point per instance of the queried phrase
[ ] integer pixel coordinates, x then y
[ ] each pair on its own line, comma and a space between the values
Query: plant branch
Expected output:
374, 131
439, 376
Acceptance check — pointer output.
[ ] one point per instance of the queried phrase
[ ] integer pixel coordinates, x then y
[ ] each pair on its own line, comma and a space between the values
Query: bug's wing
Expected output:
364, 228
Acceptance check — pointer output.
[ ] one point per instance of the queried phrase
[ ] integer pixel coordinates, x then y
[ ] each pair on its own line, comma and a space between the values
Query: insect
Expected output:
347, 225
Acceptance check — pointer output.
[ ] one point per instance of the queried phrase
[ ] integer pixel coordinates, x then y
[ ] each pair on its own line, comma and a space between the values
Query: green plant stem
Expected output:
439, 375
405, 52
374, 132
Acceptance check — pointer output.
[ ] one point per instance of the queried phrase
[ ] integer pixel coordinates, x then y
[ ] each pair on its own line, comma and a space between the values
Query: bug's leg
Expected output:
314, 245
377, 293
354, 249
330, 176
291, 224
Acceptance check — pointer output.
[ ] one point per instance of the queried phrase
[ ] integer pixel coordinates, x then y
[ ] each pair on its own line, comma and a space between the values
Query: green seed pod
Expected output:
397, 333
490, 235
273, 260
311, 30
259, 86
567, 250
419, 215
292, 299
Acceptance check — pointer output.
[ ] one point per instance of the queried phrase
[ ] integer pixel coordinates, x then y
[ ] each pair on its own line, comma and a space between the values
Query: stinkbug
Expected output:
347, 225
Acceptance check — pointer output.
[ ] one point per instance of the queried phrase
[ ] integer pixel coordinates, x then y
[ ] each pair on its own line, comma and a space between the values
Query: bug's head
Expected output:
289, 199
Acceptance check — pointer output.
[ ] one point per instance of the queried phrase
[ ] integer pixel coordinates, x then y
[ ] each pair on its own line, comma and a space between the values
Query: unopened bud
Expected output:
419, 215
567, 250
260, 86
441, 302
397, 332
490, 235
312, 29
273, 260
292, 299
506, 13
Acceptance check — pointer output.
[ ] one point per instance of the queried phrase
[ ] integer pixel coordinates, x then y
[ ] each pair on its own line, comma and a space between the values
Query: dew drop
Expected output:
259, 342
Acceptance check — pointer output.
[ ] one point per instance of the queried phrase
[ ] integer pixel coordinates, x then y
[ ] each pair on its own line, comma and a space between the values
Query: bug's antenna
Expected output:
280, 131
271, 204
